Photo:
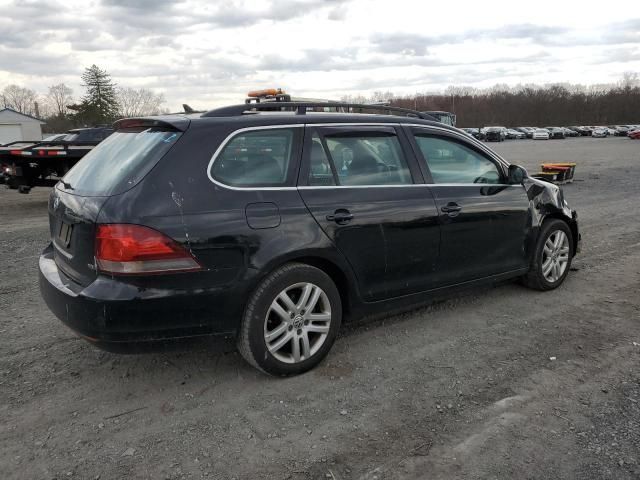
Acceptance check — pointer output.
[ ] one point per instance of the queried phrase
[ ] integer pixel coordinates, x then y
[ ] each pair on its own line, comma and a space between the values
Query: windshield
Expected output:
119, 162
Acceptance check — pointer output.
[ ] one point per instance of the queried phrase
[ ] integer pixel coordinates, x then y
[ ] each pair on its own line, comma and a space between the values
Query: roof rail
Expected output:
300, 108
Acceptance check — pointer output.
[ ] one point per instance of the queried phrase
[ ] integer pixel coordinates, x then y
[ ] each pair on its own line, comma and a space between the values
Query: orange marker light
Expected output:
265, 93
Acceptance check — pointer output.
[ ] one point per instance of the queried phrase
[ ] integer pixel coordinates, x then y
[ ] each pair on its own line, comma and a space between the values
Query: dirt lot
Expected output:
500, 383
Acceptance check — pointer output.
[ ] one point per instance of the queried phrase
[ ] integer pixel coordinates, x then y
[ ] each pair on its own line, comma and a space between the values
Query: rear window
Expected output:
119, 162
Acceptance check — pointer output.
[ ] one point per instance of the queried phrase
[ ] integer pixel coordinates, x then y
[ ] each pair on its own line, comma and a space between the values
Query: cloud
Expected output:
418, 44
338, 13
356, 59
205, 52
623, 32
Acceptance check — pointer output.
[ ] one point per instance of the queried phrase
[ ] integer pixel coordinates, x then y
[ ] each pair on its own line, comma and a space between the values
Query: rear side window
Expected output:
120, 161
368, 158
257, 158
452, 162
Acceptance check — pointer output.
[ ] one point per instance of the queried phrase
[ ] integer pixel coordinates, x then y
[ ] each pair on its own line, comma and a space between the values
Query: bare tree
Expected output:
19, 99
630, 80
59, 97
138, 102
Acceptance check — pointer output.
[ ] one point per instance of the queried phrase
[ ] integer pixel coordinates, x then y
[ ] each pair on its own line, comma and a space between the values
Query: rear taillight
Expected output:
134, 250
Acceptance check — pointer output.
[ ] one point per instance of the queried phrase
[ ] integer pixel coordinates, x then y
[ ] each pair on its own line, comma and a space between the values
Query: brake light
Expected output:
133, 250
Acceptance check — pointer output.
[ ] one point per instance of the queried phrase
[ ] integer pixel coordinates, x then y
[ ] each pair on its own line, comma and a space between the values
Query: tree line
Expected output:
528, 105
102, 103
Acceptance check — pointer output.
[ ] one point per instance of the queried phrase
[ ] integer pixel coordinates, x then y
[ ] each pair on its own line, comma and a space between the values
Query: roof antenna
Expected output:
187, 108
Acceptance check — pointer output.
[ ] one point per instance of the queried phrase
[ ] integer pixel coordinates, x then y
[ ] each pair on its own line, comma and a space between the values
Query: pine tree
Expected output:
99, 105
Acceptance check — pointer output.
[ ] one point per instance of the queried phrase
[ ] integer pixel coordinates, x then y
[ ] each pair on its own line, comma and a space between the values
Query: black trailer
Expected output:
41, 164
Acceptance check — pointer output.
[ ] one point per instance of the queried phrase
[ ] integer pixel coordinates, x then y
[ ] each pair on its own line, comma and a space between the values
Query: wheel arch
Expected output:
573, 226
339, 273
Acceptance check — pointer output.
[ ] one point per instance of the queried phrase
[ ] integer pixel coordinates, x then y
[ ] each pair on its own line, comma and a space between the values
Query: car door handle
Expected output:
451, 209
340, 216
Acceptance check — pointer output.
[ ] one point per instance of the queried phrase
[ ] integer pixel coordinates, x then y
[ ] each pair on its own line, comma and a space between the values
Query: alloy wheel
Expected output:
555, 256
297, 322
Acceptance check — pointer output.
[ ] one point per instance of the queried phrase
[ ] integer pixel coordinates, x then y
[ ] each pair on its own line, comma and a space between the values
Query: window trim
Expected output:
295, 155
408, 130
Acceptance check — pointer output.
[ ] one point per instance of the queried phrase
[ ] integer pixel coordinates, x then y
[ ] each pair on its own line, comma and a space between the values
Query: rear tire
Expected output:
291, 320
552, 256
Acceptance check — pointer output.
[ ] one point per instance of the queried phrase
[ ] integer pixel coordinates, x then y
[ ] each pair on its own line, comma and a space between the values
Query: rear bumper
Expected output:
115, 314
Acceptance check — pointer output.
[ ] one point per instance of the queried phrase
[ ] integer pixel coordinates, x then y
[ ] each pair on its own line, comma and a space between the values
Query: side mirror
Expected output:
516, 174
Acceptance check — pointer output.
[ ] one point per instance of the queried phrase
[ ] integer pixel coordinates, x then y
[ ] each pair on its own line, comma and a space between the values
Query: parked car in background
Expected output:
478, 133
54, 137
634, 134
515, 134
541, 134
528, 131
257, 227
495, 134
568, 132
581, 131
556, 133
474, 132
600, 132
621, 130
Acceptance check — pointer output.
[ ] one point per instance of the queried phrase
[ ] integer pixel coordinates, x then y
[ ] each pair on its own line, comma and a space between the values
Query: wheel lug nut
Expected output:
292, 315
290, 327
299, 331
306, 322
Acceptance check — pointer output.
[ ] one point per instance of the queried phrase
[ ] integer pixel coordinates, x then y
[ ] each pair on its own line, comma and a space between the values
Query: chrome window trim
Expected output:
229, 138
428, 128
431, 185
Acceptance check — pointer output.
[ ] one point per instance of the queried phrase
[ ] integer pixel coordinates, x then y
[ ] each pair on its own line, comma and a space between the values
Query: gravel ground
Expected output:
499, 383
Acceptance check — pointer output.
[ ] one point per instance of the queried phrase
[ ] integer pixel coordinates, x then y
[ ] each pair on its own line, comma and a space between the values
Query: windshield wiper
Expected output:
67, 185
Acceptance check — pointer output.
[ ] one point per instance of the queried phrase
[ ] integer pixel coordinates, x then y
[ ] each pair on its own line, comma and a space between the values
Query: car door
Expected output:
484, 220
366, 192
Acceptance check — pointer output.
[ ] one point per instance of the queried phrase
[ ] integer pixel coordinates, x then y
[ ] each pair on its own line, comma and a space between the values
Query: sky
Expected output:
211, 53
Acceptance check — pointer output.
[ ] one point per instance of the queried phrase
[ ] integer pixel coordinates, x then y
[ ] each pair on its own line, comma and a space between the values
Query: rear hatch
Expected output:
116, 165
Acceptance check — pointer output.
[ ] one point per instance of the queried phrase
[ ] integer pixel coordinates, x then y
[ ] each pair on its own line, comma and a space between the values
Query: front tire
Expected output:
552, 256
291, 320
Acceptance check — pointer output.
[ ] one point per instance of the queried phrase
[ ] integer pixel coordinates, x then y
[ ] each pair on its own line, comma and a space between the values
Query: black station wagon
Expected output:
275, 226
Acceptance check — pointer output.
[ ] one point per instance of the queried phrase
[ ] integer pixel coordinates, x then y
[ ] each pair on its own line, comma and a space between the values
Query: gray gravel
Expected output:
462, 389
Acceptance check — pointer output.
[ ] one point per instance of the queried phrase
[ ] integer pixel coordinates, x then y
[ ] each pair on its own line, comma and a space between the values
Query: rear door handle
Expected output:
452, 209
340, 216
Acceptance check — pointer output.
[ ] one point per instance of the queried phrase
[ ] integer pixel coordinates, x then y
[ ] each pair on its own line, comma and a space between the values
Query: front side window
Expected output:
368, 158
320, 171
258, 158
452, 162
